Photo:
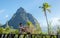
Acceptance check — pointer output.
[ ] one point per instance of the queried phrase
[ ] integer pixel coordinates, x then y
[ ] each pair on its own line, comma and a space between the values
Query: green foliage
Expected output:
16, 31
38, 29
46, 5
50, 28
30, 26
58, 30
8, 30
1, 30
34, 29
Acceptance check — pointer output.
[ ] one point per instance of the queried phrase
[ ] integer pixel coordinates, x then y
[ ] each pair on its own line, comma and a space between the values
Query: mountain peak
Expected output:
20, 9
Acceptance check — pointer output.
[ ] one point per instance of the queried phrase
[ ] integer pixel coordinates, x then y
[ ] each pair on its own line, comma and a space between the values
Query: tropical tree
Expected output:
1, 30
45, 8
30, 26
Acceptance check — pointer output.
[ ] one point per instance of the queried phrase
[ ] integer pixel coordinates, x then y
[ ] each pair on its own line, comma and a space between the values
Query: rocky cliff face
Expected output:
21, 16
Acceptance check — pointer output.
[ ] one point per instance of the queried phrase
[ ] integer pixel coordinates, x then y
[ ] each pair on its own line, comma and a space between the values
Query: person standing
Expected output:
21, 28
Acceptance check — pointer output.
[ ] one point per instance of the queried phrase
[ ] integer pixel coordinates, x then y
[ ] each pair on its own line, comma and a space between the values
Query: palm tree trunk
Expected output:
46, 21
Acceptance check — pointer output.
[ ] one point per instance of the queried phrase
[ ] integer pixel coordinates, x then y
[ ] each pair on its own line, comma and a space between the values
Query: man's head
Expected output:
20, 24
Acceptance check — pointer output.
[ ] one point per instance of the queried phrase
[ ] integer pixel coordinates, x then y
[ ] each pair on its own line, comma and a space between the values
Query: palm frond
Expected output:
49, 10
46, 5
40, 7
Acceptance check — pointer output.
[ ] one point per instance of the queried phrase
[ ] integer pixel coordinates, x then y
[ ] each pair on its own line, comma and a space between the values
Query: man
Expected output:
21, 28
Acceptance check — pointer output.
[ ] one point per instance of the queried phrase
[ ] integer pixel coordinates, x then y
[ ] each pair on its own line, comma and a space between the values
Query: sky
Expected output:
9, 7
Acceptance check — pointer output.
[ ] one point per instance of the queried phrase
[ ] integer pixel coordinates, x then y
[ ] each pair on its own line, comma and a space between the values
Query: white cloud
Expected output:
6, 16
55, 21
1, 11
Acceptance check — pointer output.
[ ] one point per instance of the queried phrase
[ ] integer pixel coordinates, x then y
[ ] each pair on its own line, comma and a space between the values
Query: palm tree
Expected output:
45, 8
